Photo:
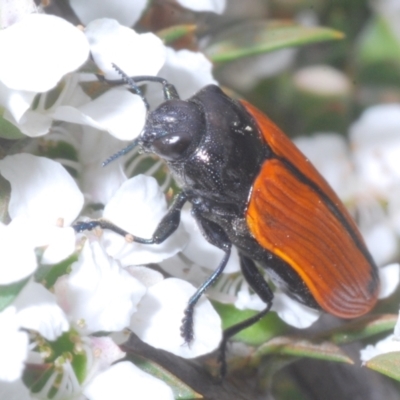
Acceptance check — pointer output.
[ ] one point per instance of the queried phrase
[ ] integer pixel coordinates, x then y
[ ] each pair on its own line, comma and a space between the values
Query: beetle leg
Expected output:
165, 228
257, 282
215, 235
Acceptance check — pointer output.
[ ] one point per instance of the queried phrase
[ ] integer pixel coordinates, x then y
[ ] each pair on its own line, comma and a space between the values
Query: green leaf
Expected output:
9, 131
269, 326
180, 389
299, 347
9, 292
5, 193
56, 149
174, 33
362, 328
264, 37
47, 275
378, 43
387, 364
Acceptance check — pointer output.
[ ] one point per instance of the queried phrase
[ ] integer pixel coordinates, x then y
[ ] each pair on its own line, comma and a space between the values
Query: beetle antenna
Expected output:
169, 90
134, 88
122, 152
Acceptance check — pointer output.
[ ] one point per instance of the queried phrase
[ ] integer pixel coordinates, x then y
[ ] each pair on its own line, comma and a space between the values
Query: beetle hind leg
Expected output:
257, 282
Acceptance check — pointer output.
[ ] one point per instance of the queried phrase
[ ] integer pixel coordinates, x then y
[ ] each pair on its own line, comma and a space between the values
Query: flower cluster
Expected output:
70, 299
103, 285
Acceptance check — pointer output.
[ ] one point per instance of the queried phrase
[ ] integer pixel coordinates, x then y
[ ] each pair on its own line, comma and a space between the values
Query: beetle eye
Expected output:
172, 146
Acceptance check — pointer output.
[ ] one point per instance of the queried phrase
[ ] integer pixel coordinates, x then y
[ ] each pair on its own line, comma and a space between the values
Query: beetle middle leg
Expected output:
215, 235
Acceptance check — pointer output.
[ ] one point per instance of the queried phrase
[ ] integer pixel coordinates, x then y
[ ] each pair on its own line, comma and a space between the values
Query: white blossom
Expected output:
45, 200
13, 346
216, 6
122, 380
126, 12
37, 310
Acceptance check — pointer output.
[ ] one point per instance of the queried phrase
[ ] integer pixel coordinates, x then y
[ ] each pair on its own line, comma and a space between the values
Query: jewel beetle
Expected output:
250, 187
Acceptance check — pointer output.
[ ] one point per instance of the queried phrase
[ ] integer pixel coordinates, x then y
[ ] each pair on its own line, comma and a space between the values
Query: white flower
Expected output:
15, 390
97, 183
160, 314
12, 12
38, 51
126, 12
390, 344
37, 310
189, 71
48, 48
124, 381
13, 346
44, 198
112, 43
17, 257
293, 312
375, 140
389, 276
137, 207
98, 295
116, 111
387, 345
216, 6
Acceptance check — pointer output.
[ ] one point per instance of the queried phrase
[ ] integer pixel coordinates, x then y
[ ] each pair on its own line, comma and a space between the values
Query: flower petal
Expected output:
98, 295
376, 143
189, 71
293, 312
125, 12
38, 310
48, 48
387, 345
41, 190
116, 111
99, 184
389, 276
106, 350
112, 43
17, 257
381, 242
216, 6
15, 390
122, 380
162, 310
13, 346
138, 207
59, 245
12, 12
16, 102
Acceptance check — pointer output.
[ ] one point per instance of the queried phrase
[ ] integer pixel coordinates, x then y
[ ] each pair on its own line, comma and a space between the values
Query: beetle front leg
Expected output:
164, 230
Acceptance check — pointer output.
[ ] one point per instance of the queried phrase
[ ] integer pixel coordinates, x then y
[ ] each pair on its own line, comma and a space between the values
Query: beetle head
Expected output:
173, 129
